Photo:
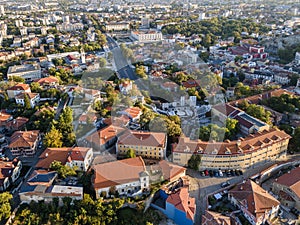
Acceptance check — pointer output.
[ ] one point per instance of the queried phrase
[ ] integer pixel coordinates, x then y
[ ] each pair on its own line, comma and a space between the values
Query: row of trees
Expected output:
283, 103
83, 212
212, 28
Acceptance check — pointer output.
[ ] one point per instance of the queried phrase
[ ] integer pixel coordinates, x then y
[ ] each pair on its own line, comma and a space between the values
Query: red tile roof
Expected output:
117, 172
249, 144
104, 135
183, 202
47, 80
62, 155
214, 218
291, 180
256, 200
140, 138
20, 86
21, 139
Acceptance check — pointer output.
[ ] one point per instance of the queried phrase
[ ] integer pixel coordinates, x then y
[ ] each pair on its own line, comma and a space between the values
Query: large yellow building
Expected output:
239, 154
149, 145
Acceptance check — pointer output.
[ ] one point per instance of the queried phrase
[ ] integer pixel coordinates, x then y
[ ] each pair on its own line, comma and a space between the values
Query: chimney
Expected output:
141, 138
46, 155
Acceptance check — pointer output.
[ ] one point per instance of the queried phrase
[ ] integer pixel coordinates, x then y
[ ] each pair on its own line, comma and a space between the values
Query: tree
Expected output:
102, 62
5, 205
63, 171
17, 79
194, 162
231, 128
130, 153
140, 71
35, 87
53, 139
27, 104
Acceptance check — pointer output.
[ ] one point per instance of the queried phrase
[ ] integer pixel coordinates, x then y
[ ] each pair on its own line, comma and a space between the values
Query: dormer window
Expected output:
228, 152
215, 151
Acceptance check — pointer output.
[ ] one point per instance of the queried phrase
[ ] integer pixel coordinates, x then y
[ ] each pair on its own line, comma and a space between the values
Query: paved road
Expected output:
122, 65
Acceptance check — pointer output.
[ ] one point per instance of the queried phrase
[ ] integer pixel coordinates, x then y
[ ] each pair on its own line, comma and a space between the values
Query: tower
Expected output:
2, 11
82, 55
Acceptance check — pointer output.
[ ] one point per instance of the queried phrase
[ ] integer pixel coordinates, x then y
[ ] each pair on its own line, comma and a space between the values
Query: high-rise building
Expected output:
2, 10
19, 23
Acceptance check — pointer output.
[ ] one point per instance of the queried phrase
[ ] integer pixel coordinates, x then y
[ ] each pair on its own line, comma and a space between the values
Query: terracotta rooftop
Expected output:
4, 116
21, 139
62, 155
30, 95
118, 172
249, 144
7, 168
140, 138
20, 87
47, 80
170, 170
183, 202
291, 180
17, 123
104, 135
254, 198
214, 218
133, 112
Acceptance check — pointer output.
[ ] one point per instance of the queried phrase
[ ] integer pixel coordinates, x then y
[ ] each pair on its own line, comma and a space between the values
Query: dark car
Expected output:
211, 173
241, 172
232, 173
216, 173
225, 184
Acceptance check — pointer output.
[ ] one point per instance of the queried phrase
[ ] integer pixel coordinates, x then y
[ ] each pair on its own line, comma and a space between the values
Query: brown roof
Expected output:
20, 86
47, 80
251, 143
117, 172
7, 168
21, 139
143, 138
170, 170
133, 112
4, 116
291, 180
214, 218
62, 155
30, 95
17, 123
104, 135
254, 198
182, 201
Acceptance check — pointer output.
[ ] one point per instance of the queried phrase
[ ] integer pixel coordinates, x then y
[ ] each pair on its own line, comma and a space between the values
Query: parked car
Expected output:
221, 173
232, 173
206, 172
216, 173
225, 184
202, 173
211, 173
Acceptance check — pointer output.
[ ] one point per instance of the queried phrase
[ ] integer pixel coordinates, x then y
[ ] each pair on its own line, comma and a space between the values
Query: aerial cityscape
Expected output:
149, 112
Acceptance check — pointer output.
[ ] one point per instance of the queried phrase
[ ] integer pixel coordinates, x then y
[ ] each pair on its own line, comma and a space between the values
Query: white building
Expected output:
2, 10
29, 72
147, 36
34, 98
127, 177
117, 26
